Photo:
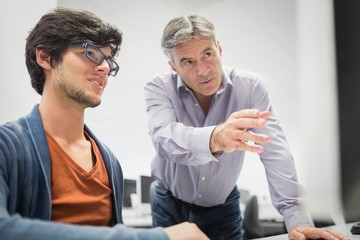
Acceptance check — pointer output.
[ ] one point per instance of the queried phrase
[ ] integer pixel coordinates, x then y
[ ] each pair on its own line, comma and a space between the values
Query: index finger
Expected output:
251, 113
264, 114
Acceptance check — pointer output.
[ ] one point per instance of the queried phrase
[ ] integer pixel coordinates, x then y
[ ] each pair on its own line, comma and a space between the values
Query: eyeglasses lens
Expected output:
95, 55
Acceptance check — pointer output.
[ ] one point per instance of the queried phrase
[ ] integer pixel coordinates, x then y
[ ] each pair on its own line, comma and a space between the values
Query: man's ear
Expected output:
43, 58
171, 64
219, 47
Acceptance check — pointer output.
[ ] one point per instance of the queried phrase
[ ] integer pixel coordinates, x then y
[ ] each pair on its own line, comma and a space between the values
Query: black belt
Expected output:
189, 205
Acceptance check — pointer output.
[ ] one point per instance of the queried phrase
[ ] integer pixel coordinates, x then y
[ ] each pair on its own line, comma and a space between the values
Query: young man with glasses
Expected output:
57, 180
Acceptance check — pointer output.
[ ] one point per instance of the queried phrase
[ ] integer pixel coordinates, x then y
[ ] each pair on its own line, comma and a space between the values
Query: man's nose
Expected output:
202, 68
104, 67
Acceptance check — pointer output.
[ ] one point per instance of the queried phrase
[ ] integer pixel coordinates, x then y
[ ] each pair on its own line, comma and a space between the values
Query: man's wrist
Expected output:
214, 149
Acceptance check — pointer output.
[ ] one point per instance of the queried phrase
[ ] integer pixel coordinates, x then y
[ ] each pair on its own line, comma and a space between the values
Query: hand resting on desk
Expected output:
307, 232
185, 231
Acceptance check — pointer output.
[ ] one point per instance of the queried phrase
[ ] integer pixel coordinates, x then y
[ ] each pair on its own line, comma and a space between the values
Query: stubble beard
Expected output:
79, 96
76, 94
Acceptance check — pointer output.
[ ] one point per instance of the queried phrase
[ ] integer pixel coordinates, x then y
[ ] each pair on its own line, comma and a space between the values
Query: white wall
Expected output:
257, 35
16, 19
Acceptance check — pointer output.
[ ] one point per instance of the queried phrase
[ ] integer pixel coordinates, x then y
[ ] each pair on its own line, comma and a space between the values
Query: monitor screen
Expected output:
347, 33
329, 89
144, 188
129, 188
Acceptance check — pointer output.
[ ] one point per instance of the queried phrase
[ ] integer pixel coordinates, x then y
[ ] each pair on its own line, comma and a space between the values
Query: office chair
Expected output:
257, 228
251, 222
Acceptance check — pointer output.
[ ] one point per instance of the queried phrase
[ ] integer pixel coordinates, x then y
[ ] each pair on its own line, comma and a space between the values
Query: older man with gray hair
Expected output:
203, 117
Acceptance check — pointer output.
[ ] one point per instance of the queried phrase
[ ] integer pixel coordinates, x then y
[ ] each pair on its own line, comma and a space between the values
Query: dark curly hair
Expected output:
60, 27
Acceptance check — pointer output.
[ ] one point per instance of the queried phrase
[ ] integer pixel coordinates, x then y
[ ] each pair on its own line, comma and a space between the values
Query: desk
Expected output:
345, 229
140, 222
133, 218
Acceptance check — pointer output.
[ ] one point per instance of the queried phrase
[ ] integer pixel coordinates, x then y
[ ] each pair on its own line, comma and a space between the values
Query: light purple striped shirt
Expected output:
181, 133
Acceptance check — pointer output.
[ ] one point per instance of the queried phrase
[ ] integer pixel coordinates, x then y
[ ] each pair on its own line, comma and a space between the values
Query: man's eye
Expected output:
189, 62
90, 53
207, 54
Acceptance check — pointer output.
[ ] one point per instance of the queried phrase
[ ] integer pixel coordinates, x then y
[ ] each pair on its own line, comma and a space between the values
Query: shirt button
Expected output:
200, 195
203, 178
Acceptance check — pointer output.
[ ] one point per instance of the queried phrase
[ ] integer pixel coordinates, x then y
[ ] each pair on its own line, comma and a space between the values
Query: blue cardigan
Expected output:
25, 189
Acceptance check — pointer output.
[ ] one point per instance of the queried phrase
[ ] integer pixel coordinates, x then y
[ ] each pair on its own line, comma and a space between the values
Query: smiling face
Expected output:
80, 81
198, 63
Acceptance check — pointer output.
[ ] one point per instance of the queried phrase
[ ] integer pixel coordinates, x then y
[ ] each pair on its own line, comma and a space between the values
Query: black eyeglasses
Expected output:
97, 56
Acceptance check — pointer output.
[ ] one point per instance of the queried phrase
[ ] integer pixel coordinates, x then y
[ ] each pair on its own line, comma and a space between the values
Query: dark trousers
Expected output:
222, 222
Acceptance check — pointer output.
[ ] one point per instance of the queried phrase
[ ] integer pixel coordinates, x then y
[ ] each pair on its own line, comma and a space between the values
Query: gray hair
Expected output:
182, 29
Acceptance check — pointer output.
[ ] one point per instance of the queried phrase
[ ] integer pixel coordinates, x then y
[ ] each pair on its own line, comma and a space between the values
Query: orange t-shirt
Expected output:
79, 197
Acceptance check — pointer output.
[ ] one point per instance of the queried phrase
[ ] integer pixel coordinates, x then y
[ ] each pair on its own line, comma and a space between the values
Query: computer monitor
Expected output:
329, 89
142, 198
143, 188
129, 188
347, 30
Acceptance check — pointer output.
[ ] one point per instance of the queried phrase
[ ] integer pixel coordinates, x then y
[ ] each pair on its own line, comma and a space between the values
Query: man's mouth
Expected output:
98, 81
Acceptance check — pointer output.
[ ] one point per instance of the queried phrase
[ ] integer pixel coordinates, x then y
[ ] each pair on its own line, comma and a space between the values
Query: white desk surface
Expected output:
345, 229
132, 218
144, 221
